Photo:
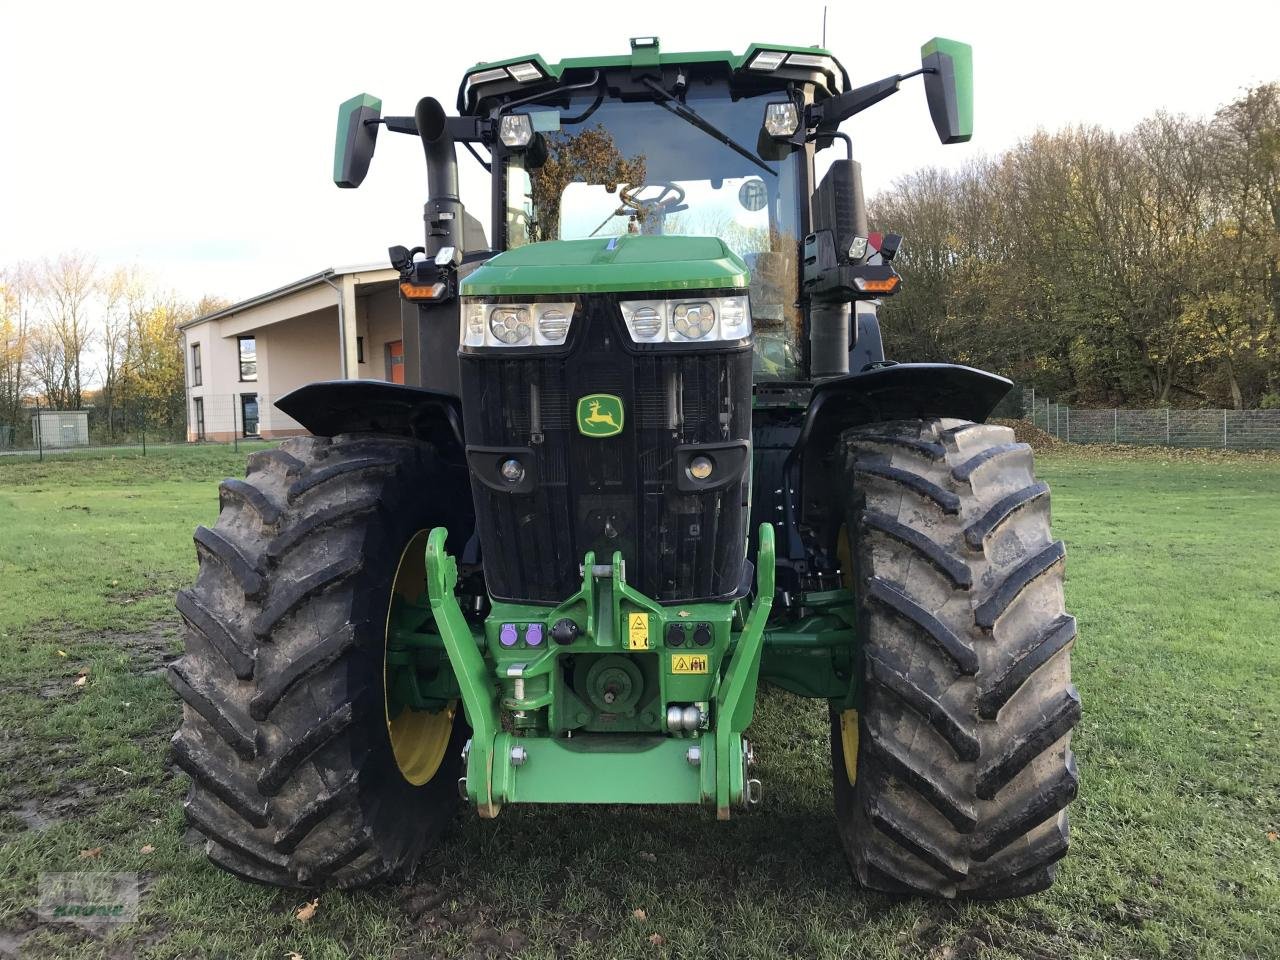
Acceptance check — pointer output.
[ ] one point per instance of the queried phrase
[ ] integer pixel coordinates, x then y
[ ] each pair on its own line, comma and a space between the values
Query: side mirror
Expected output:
948, 86
356, 138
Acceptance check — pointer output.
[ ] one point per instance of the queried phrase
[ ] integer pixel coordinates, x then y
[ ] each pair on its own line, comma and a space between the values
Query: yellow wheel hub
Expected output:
849, 743
848, 718
419, 738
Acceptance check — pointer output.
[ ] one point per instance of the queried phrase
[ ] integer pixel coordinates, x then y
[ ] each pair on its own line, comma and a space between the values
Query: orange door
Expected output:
395, 361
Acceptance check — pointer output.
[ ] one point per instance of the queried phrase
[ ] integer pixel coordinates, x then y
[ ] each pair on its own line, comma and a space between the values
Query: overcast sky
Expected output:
197, 141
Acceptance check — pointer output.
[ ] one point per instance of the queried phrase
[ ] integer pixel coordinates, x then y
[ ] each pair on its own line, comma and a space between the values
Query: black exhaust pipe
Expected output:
443, 210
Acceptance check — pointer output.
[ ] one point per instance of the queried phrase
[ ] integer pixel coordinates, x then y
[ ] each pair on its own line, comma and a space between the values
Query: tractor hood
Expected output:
630, 263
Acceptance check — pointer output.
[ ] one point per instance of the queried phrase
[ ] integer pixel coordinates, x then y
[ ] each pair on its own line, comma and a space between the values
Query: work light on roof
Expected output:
525, 72
773, 59
767, 60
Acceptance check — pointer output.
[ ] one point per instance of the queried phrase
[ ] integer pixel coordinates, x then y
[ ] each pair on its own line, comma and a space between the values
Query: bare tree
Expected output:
67, 284
16, 295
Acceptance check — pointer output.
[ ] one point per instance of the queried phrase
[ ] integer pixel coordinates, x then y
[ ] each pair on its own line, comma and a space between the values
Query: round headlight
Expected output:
512, 470
510, 325
701, 468
553, 325
647, 323
693, 320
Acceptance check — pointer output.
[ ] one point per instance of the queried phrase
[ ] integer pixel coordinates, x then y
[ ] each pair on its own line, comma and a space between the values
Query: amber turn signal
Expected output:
421, 291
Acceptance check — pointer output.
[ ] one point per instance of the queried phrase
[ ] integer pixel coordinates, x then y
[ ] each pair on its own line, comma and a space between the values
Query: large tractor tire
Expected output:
299, 779
954, 776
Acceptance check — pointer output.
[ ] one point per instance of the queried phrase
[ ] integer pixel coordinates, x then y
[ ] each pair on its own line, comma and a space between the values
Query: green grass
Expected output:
1174, 573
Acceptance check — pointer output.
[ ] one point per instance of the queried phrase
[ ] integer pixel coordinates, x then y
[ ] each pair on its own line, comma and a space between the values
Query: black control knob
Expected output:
564, 631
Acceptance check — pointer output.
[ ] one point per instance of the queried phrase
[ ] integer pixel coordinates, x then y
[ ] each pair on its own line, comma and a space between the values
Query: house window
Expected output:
197, 373
249, 413
199, 405
359, 349
248, 358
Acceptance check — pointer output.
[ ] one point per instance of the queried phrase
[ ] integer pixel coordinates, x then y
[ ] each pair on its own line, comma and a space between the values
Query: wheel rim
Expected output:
848, 718
419, 738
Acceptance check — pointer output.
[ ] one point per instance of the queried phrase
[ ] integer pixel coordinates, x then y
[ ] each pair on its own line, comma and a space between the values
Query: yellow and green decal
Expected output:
600, 415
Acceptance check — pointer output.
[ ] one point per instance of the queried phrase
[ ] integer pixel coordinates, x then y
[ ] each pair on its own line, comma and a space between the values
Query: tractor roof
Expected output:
761, 59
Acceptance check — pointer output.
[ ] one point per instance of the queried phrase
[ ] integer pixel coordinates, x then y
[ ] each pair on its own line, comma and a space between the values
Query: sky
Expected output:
196, 141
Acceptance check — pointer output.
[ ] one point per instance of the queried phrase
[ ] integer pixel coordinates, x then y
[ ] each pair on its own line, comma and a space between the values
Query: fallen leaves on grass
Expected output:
657, 939
147, 848
649, 857
91, 854
639, 914
1273, 836
81, 680
307, 911
294, 955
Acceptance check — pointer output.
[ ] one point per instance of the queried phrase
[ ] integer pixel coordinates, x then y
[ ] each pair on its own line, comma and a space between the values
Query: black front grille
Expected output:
621, 493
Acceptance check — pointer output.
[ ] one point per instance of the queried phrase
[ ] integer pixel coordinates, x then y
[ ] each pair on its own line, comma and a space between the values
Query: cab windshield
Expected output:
614, 168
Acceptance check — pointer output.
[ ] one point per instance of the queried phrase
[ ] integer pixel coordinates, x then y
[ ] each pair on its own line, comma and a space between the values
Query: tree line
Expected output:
1137, 268
74, 335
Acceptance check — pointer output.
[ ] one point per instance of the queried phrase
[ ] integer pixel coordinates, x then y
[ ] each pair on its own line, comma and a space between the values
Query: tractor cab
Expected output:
654, 145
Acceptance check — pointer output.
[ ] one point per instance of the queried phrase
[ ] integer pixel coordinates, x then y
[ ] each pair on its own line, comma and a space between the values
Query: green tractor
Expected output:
648, 455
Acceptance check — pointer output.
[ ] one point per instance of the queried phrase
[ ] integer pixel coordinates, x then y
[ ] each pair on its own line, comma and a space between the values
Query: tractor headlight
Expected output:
693, 320
510, 325
515, 324
700, 320
781, 120
515, 129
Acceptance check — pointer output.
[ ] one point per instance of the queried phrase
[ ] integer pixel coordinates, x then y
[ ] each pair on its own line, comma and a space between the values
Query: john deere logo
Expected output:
600, 415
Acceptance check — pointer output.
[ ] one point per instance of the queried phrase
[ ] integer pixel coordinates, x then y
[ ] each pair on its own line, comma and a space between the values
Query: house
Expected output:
340, 323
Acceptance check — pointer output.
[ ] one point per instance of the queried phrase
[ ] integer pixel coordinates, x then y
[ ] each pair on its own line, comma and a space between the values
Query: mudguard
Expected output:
330, 407
899, 391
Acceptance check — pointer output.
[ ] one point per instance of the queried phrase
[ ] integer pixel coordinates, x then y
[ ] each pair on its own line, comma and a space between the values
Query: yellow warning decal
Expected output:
637, 631
689, 663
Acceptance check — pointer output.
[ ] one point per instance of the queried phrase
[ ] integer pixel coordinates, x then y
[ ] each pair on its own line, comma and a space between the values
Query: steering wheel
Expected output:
670, 200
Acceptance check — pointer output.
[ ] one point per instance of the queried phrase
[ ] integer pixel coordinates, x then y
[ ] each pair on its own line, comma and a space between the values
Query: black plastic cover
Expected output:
620, 493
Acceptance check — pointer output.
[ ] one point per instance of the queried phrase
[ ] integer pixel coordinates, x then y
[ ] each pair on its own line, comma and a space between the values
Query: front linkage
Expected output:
610, 696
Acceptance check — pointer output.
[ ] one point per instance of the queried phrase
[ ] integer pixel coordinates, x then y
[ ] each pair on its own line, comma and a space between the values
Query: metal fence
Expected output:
1164, 427
141, 423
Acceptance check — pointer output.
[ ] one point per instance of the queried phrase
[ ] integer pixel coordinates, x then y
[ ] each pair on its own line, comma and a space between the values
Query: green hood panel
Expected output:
631, 263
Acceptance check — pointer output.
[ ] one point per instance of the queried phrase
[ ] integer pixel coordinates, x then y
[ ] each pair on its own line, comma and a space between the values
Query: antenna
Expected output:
824, 26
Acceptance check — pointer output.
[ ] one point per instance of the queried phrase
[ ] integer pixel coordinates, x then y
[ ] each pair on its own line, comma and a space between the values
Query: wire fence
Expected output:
1164, 427
231, 418
145, 422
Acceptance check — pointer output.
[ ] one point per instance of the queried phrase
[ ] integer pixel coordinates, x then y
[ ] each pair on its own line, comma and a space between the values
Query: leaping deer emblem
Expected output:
595, 416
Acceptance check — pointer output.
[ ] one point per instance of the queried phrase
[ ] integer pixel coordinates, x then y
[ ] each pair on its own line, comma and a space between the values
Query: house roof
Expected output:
325, 275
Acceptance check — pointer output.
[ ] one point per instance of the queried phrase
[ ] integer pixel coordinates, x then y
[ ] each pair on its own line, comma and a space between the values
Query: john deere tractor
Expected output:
649, 454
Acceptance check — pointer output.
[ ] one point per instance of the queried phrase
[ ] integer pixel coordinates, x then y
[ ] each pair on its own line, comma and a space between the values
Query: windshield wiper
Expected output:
671, 104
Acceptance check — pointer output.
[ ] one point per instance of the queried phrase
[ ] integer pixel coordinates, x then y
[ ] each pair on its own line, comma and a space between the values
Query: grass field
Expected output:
1174, 573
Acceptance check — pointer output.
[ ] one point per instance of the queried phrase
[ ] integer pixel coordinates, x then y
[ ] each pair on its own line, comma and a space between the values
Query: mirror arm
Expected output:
463, 129
829, 114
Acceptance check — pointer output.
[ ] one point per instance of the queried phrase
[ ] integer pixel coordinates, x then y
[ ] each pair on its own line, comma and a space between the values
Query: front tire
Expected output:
285, 733
963, 767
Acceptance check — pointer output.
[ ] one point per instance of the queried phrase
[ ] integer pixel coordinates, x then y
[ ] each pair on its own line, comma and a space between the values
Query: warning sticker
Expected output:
637, 631
689, 663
